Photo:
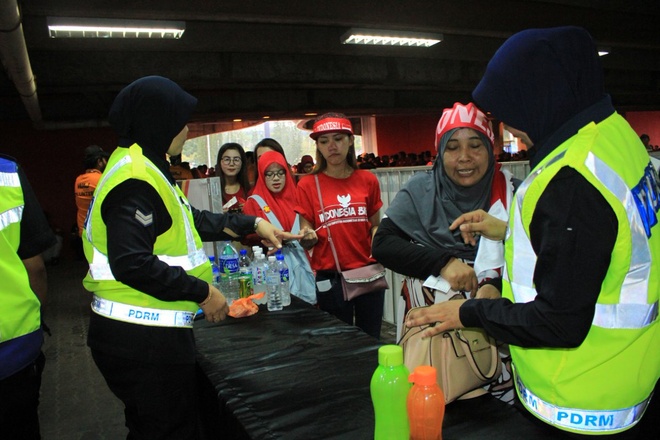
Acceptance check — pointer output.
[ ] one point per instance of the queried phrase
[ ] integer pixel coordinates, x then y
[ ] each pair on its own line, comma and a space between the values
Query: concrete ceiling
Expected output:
282, 58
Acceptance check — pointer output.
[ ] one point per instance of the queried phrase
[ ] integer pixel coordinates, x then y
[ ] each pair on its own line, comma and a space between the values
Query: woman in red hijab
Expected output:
274, 197
277, 188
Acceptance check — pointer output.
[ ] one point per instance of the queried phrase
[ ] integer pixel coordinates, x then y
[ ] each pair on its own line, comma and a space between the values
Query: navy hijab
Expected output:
150, 112
539, 79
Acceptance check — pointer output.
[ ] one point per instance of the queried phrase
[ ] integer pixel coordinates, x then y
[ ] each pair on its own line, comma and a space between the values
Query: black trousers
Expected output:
160, 400
19, 402
364, 312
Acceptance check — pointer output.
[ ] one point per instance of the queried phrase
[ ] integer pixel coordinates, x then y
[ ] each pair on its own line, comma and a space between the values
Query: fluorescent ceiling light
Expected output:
72, 27
390, 38
602, 51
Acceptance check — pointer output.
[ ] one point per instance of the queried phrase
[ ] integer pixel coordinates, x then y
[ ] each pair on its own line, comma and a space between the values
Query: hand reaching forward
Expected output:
445, 315
272, 236
479, 222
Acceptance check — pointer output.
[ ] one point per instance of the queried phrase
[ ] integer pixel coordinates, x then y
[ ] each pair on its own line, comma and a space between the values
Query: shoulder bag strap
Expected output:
332, 245
272, 218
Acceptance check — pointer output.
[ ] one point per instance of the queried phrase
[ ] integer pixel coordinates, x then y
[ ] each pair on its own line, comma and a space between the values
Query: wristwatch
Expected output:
256, 222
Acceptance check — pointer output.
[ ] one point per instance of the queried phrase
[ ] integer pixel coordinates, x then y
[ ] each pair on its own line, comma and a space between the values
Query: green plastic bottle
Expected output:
389, 391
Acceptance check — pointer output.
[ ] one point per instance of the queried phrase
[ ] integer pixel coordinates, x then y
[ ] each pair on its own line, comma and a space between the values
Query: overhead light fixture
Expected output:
602, 51
390, 38
75, 27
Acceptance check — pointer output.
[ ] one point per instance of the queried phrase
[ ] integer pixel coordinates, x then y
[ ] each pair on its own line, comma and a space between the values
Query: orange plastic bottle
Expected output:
425, 404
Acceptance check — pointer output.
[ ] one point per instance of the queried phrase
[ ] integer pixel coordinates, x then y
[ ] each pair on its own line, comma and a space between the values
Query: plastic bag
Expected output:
243, 307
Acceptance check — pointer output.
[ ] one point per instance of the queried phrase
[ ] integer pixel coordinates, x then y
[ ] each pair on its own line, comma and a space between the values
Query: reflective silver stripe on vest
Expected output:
595, 421
11, 216
142, 315
524, 257
632, 311
99, 269
10, 180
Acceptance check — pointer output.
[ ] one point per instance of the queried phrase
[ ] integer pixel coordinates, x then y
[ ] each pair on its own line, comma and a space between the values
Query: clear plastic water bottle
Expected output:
255, 251
284, 279
259, 267
273, 285
215, 279
244, 274
226, 290
216, 271
229, 266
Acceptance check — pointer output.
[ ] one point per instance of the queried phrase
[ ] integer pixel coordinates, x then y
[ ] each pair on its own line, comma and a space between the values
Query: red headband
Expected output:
331, 125
463, 116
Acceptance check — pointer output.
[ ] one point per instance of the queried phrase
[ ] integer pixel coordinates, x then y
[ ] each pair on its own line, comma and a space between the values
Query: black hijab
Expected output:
539, 79
150, 112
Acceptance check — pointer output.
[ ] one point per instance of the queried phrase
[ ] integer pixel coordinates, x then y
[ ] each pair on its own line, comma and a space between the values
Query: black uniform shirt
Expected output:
130, 252
573, 231
36, 234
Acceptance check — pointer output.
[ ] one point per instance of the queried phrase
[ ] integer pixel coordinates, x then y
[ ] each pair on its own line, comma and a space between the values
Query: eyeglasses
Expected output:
272, 174
228, 160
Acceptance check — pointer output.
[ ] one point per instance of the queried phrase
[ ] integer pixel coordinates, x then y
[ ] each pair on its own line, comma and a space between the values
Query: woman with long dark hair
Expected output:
231, 167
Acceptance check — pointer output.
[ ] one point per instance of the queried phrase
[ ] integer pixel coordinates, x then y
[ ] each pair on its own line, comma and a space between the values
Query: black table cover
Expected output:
300, 373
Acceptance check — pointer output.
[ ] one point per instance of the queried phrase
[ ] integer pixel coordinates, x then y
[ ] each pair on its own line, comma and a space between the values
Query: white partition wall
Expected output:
204, 194
391, 180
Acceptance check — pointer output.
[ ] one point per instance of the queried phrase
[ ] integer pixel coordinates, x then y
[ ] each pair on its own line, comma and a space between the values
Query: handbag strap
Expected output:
332, 245
494, 358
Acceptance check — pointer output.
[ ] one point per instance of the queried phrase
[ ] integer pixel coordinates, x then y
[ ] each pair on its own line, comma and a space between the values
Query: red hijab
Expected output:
282, 204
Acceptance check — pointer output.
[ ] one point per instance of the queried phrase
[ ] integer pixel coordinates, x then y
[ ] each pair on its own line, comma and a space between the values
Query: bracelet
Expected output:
256, 222
208, 298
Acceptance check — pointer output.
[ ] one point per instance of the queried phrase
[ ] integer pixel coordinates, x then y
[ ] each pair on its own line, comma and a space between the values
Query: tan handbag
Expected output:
465, 359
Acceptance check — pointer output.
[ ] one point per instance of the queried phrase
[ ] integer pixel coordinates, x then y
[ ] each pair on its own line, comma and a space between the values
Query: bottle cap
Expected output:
271, 258
390, 355
423, 375
279, 256
243, 252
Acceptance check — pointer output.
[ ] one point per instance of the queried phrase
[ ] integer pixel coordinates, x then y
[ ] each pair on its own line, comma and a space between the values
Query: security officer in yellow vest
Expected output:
147, 269
582, 276
24, 235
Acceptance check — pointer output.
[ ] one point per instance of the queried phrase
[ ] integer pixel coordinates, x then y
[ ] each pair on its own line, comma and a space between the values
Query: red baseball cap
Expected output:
331, 125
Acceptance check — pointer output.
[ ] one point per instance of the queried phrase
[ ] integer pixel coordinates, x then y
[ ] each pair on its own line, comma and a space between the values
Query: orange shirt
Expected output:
84, 190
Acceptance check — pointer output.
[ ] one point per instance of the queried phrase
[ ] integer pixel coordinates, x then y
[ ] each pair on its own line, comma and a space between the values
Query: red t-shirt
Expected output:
238, 201
348, 205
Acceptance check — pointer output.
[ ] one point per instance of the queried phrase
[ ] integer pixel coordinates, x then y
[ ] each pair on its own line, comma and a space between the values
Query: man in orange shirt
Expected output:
95, 162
